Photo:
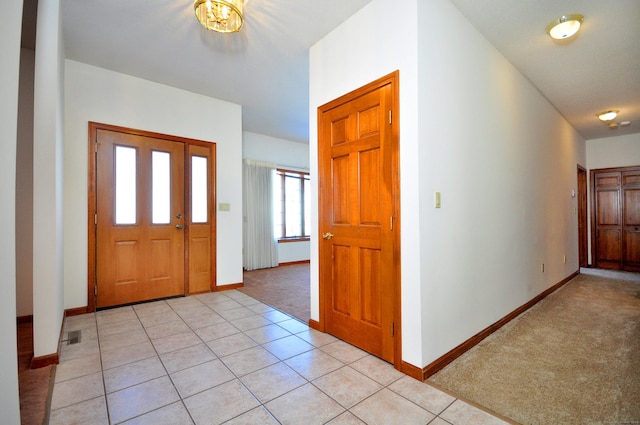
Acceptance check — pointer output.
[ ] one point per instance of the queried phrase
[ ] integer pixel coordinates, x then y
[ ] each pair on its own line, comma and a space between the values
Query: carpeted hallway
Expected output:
574, 358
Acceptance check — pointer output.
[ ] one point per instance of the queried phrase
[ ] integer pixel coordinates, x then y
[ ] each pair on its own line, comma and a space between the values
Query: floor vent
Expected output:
74, 337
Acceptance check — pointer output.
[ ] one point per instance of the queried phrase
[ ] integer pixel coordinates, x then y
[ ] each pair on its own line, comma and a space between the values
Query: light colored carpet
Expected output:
574, 358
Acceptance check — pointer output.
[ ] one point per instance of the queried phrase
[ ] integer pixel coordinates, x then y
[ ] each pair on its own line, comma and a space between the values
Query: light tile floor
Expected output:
225, 357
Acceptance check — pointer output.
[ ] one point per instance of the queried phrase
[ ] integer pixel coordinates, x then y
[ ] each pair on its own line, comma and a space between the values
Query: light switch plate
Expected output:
438, 198
224, 207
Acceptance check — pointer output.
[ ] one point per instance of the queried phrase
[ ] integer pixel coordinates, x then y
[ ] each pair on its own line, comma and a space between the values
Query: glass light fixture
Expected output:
219, 15
565, 26
607, 115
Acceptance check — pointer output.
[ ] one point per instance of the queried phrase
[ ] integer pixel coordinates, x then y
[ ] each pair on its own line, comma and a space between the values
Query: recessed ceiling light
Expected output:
625, 123
565, 26
607, 115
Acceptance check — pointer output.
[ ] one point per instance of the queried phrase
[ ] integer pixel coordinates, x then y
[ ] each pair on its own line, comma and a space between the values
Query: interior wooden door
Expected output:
140, 218
616, 220
358, 218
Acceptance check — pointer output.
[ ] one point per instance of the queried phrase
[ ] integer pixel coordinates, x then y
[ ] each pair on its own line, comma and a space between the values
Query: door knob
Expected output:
327, 236
179, 226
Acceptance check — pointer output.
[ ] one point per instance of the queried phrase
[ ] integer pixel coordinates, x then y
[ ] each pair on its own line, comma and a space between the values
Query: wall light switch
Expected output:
224, 207
438, 200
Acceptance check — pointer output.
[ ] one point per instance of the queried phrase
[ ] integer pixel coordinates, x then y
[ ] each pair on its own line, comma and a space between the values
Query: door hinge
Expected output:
393, 328
391, 223
95, 148
95, 291
390, 117
95, 219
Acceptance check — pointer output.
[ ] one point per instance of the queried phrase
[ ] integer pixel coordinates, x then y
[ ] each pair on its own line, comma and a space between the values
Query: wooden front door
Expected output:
583, 249
140, 238
358, 211
616, 218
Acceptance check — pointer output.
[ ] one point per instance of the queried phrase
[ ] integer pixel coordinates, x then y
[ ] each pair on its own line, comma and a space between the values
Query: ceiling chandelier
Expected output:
219, 15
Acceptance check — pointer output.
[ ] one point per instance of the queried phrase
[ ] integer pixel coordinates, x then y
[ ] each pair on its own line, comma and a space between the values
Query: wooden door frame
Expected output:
93, 128
582, 219
592, 182
394, 80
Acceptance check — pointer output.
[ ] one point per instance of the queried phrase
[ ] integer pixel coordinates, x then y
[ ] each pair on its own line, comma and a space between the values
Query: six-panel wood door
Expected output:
140, 218
358, 189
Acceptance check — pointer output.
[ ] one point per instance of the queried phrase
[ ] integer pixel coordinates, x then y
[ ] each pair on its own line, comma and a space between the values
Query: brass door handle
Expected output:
179, 226
327, 236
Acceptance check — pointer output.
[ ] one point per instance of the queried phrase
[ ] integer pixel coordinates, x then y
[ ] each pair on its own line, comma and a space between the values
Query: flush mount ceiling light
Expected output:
607, 115
565, 26
219, 15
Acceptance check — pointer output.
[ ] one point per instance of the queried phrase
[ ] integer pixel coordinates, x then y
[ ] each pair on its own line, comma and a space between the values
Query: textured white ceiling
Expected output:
265, 68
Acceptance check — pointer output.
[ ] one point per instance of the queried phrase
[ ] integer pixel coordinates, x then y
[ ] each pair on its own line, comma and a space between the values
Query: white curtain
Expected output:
260, 246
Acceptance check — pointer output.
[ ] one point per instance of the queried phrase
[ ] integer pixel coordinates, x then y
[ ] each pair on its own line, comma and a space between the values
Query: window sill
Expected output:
287, 240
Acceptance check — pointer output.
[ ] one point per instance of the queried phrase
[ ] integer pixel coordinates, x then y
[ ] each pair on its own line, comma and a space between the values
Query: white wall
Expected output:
361, 50
10, 24
99, 95
48, 226
611, 152
474, 129
24, 187
505, 162
287, 154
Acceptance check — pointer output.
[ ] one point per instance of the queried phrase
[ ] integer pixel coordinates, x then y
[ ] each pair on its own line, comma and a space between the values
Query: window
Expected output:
291, 204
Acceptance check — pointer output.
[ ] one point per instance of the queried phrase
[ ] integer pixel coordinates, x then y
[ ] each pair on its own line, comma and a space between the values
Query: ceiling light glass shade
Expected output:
219, 15
607, 115
565, 26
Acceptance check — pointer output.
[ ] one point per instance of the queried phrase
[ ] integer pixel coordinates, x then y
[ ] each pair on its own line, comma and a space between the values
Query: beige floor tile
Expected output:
194, 311
260, 308
203, 320
223, 305
76, 390
231, 344
201, 377
219, 404
343, 351
246, 300
114, 315
347, 386
422, 394
187, 357
152, 308
92, 412
251, 322
273, 381
267, 333
173, 414
250, 360
148, 396
75, 368
259, 415
460, 413
288, 347
294, 326
110, 342
132, 374
183, 303
347, 418
439, 421
157, 319
84, 322
176, 342
385, 407
276, 316
124, 326
212, 297
84, 348
315, 338
166, 329
123, 355
313, 364
216, 331
305, 405
235, 313
376, 369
